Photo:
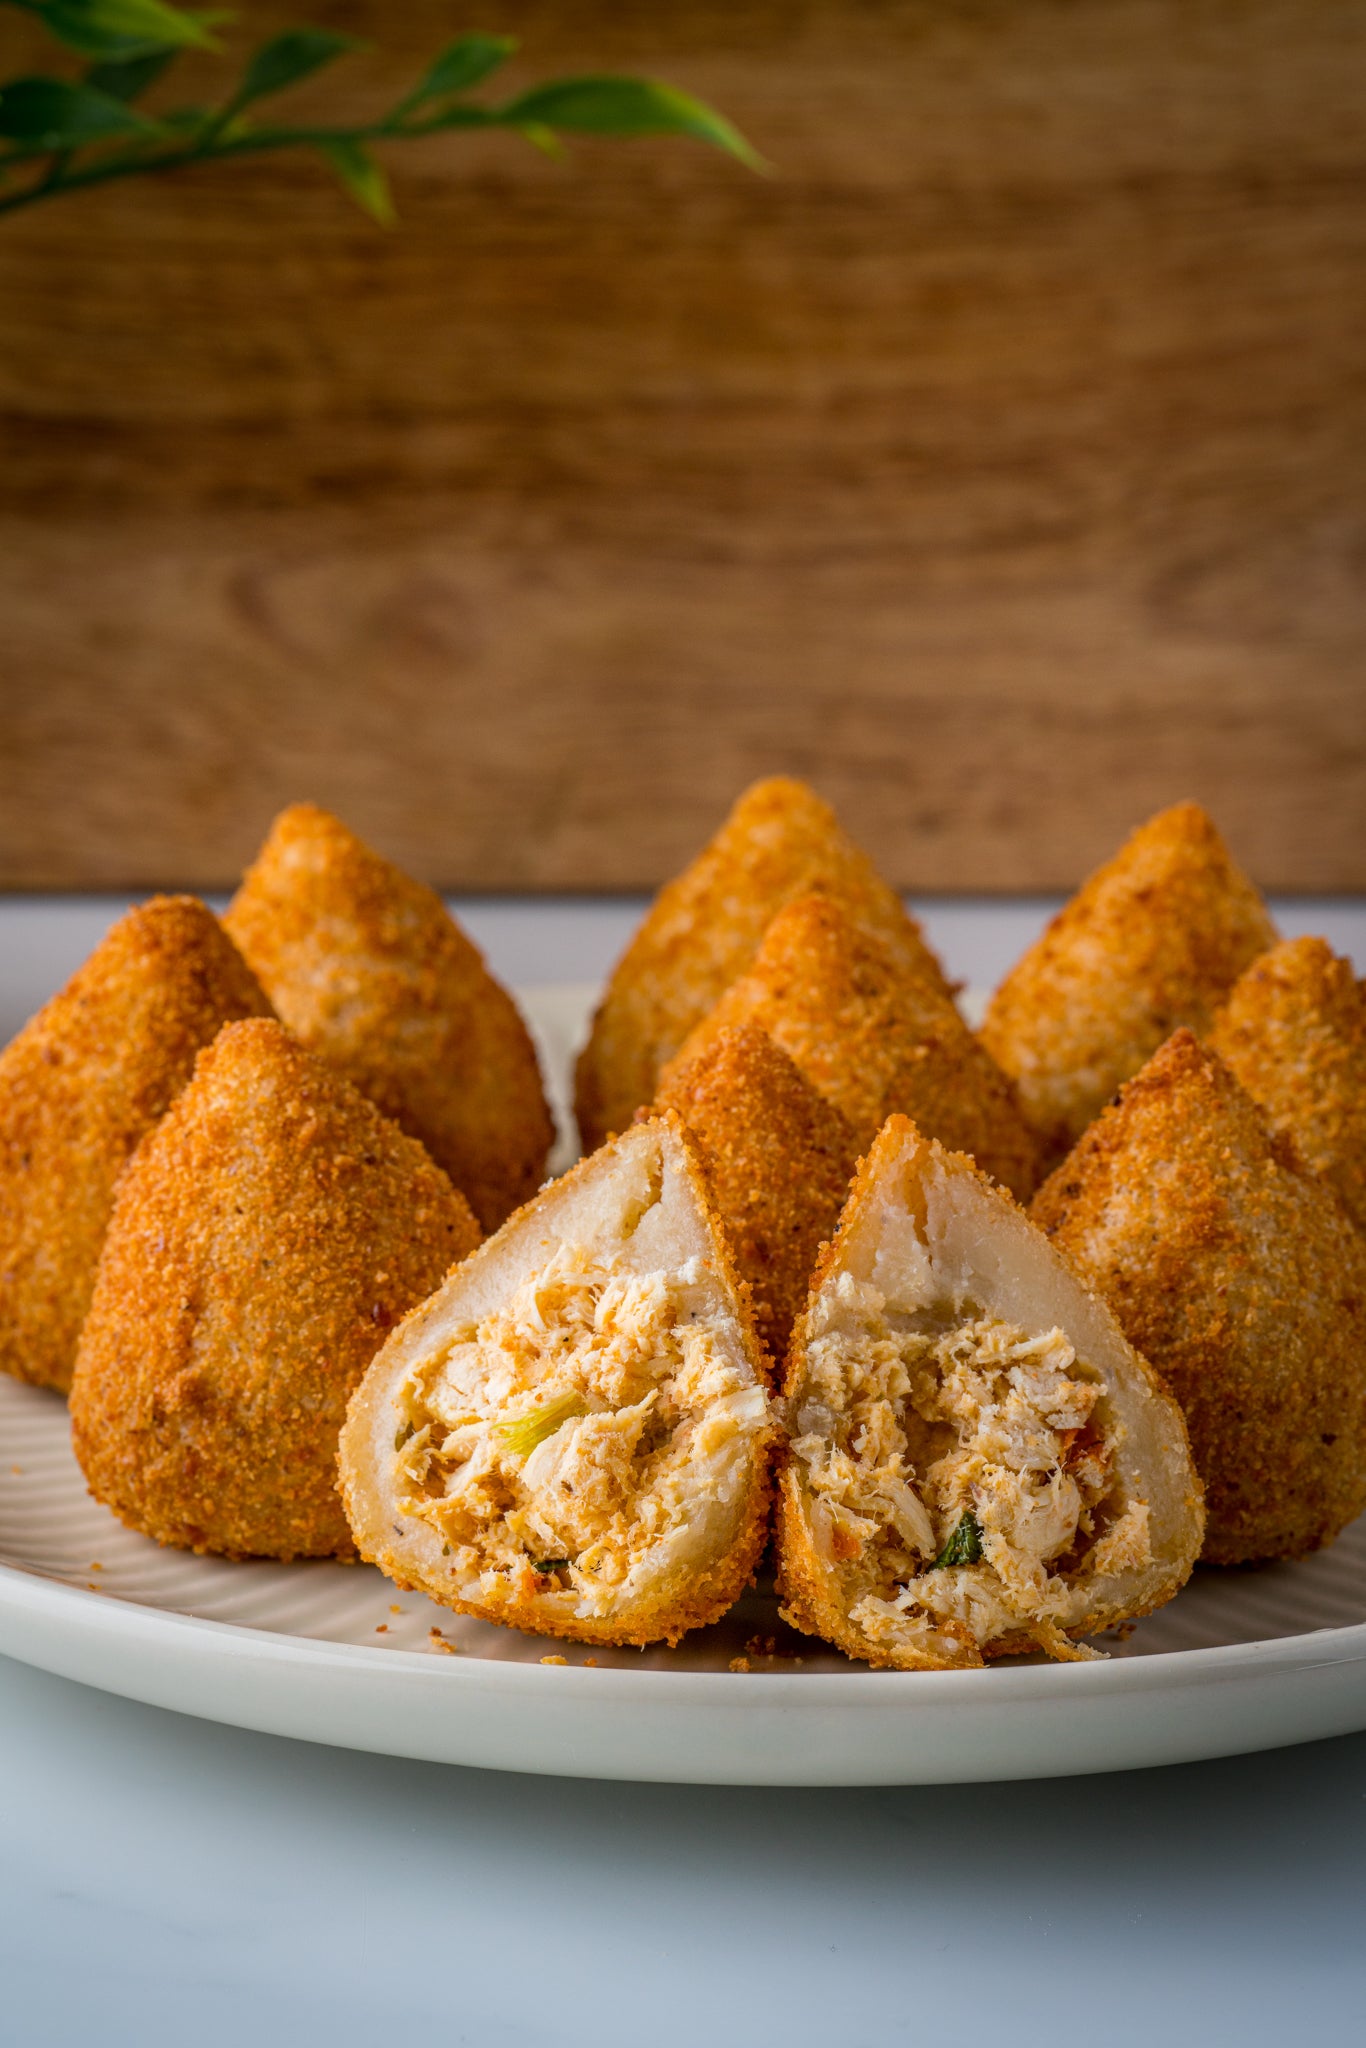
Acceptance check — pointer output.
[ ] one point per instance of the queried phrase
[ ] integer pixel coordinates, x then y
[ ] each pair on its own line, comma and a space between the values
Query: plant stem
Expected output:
52, 184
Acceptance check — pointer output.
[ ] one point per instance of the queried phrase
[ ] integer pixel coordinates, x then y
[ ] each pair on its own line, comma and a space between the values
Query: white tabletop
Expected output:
164, 1880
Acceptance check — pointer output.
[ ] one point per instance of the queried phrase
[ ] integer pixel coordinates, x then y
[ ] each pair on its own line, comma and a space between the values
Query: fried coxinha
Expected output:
573, 1435
981, 1463
369, 970
779, 1159
1294, 1033
79, 1087
704, 928
1237, 1270
1155, 938
267, 1234
875, 1037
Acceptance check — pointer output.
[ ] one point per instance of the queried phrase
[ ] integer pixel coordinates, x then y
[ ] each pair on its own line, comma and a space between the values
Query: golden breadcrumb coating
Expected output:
980, 1463
267, 1234
779, 1159
703, 930
1233, 1267
1294, 1033
367, 968
573, 1436
79, 1086
1155, 938
875, 1038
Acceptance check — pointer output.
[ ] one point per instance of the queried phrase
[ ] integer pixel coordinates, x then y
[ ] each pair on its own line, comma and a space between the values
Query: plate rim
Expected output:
33, 1591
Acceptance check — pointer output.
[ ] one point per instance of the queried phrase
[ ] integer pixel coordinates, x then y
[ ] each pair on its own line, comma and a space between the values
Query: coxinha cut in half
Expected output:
573, 1435
981, 1462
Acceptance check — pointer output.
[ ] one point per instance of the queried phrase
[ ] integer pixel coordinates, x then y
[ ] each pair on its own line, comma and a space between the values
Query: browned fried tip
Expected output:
778, 1157
1235, 1270
1155, 938
267, 1235
875, 1038
1294, 1033
79, 1086
704, 929
368, 969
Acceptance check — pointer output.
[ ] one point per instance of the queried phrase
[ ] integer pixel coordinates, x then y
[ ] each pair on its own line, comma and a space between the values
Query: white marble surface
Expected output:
169, 1881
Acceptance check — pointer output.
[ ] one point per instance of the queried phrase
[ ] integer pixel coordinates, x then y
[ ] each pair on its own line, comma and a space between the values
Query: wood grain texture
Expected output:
999, 464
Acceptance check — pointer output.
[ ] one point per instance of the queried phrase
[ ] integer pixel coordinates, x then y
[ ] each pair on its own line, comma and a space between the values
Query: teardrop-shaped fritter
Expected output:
704, 928
1155, 938
1236, 1270
79, 1087
779, 1159
1294, 1033
875, 1038
267, 1234
368, 969
980, 1462
573, 1436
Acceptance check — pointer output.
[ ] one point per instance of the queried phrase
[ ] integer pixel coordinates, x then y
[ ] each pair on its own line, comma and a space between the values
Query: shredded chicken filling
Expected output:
963, 1478
584, 1441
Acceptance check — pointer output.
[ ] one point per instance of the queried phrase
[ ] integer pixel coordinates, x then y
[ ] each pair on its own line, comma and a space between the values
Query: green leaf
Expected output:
462, 65
363, 179
287, 60
542, 138
626, 106
126, 28
128, 78
47, 113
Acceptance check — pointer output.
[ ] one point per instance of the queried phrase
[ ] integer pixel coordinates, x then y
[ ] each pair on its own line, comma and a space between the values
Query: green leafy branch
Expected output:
66, 135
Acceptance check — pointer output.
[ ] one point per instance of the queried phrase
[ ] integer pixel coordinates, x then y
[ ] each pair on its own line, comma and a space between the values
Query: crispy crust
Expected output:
1294, 1033
1235, 1269
779, 1159
79, 1087
414, 1561
368, 969
704, 929
266, 1234
1155, 938
875, 1038
898, 1177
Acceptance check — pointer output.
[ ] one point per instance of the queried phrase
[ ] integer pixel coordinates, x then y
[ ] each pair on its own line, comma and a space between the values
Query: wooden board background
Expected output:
1000, 464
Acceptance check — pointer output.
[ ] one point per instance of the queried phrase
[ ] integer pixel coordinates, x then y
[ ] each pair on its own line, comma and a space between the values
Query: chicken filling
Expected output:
961, 1475
586, 1442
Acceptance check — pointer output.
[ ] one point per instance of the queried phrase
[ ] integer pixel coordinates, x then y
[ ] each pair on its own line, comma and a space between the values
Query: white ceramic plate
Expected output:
332, 1653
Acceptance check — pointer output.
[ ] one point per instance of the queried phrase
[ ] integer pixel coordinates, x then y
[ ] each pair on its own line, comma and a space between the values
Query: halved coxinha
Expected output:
981, 1462
573, 1436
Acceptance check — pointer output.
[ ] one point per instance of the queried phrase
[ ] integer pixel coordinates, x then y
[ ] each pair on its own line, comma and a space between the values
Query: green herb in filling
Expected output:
522, 1436
965, 1544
